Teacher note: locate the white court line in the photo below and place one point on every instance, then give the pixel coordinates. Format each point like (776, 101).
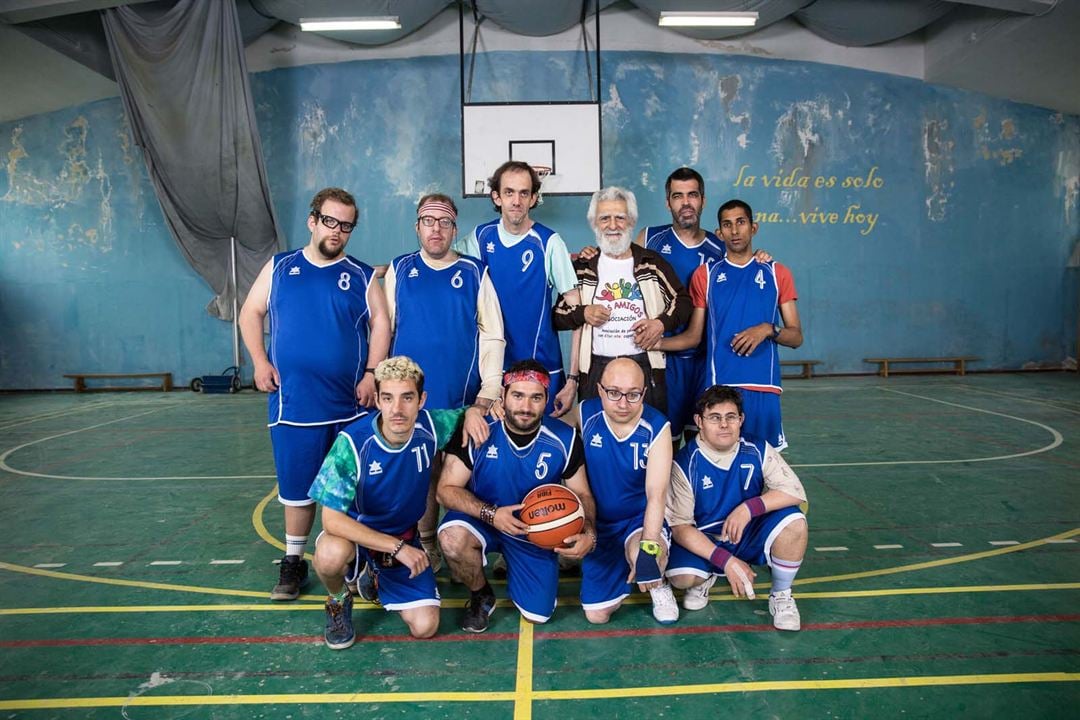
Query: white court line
(1004, 542)
(27, 473)
(113, 563)
(1058, 439)
(1061, 542)
(832, 548)
(948, 544)
(56, 413)
(226, 562)
(1022, 398)
(888, 547)
(50, 565)
(166, 562)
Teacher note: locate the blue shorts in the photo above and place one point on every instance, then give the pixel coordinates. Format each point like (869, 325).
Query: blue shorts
(762, 410)
(755, 548)
(683, 379)
(397, 591)
(604, 570)
(299, 451)
(532, 573)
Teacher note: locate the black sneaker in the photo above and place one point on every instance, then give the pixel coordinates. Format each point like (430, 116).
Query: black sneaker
(339, 628)
(367, 585)
(292, 575)
(477, 611)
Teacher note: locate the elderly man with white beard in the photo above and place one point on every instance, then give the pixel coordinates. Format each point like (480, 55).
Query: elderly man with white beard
(630, 296)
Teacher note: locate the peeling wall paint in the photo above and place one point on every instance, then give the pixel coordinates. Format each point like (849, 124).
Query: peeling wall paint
(896, 204)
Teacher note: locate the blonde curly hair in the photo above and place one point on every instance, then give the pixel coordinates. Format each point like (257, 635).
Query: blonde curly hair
(399, 367)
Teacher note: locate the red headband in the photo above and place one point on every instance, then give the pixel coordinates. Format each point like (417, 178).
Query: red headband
(437, 205)
(527, 376)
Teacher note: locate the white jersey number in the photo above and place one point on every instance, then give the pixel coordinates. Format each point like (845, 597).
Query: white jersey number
(423, 460)
(345, 281)
(542, 466)
(641, 455)
(749, 474)
(760, 279)
(526, 259)
(456, 281)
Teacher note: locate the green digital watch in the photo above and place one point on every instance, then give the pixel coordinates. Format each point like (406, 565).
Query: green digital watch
(651, 547)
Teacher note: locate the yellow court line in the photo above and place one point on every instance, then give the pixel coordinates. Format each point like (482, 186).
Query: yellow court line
(287, 699)
(563, 601)
(260, 526)
(580, 694)
(523, 682)
(842, 684)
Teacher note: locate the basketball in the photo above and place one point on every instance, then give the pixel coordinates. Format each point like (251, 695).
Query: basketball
(553, 513)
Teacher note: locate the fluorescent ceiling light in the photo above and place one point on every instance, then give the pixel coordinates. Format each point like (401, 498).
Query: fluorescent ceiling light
(386, 22)
(708, 19)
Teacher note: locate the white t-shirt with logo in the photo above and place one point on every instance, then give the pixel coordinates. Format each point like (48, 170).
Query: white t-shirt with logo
(618, 291)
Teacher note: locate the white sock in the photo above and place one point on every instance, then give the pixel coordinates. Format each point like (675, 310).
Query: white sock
(783, 573)
(295, 544)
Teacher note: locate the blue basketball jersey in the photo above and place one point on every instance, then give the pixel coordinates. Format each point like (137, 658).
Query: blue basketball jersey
(684, 260)
(504, 473)
(717, 491)
(318, 338)
(519, 274)
(616, 466)
(435, 325)
(737, 298)
(391, 490)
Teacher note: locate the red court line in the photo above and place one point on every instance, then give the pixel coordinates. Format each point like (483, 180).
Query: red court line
(545, 635)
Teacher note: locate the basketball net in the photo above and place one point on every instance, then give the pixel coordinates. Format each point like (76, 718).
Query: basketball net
(543, 171)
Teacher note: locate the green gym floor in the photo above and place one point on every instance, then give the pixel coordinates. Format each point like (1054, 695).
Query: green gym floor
(942, 578)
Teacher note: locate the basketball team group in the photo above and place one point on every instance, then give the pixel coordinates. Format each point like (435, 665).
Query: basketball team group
(431, 418)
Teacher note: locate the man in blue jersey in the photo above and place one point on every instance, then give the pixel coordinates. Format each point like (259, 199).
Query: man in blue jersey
(482, 485)
(628, 458)
(629, 297)
(739, 303)
(372, 487)
(527, 261)
(734, 503)
(328, 329)
(446, 316)
(686, 246)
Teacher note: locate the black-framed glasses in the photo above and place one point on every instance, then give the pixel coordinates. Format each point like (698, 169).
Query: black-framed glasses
(332, 222)
(718, 419)
(429, 221)
(633, 396)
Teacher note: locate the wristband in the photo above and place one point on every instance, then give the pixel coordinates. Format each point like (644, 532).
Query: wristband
(756, 506)
(775, 331)
(592, 536)
(369, 370)
(397, 548)
(487, 513)
(719, 557)
(651, 547)
(574, 377)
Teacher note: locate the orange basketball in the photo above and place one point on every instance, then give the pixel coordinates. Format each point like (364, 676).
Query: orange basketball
(553, 513)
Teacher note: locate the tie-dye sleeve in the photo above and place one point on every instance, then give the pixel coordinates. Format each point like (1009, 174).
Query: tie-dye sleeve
(335, 485)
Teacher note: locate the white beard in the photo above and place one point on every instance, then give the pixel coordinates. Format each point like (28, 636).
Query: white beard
(614, 247)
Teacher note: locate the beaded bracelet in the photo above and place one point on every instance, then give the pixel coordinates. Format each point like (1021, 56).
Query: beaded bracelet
(397, 548)
(487, 513)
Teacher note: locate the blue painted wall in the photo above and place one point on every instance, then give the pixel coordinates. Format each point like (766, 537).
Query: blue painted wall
(917, 219)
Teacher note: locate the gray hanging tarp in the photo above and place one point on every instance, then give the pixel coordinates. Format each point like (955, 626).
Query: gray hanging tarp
(183, 81)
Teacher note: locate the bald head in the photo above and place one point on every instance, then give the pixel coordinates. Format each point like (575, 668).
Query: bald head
(624, 376)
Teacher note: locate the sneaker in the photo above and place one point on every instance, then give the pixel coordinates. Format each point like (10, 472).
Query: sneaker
(697, 597)
(339, 628)
(292, 575)
(367, 585)
(785, 614)
(477, 611)
(664, 607)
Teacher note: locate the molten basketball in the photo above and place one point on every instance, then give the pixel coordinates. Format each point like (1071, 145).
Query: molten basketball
(553, 513)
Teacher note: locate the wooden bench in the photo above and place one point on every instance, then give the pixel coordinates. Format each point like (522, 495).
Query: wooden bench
(807, 367)
(958, 364)
(81, 378)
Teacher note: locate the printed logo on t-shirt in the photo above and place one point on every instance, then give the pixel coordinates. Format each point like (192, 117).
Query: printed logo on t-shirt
(294, 270)
(721, 278)
(597, 441)
(374, 468)
(666, 249)
(493, 452)
(706, 483)
(414, 273)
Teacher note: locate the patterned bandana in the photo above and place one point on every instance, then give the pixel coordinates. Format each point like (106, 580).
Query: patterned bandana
(527, 376)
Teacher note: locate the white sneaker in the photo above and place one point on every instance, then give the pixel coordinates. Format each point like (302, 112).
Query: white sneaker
(784, 611)
(697, 597)
(664, 607)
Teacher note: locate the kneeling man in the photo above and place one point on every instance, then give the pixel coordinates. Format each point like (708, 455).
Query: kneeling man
(733, 503)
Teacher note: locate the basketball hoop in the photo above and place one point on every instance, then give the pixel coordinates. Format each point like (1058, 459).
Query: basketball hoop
(543, 172)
